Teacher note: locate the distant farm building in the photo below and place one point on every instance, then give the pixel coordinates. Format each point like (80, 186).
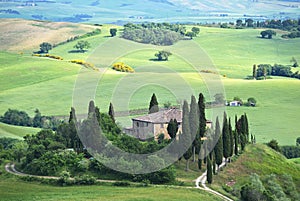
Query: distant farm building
(235, 104)
(152, 125)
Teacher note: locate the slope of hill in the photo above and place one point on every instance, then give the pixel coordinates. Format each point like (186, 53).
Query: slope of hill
(16, 131)
(148, 10)
(22, 35)
(261, 160)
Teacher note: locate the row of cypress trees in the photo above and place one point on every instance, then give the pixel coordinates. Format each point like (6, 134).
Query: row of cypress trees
(212, 145)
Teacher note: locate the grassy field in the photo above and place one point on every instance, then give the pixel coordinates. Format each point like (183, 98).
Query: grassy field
(16, 131)
(295, 160)
(29, 83)
(13, 189)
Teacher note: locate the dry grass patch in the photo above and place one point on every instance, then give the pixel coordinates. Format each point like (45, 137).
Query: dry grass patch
(25, 35)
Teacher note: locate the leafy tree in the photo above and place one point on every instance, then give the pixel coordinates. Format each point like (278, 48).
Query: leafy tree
(289, 187)
(295, 62)
(172, 128)
(163, 55)
(269, 33)
(154, 33)
(111, 112)
(153, 106)
(274, 145)
(196, 30)
(19, 150)
(298, 141)
(45, 47)
(218, 149)
(251, 102)
(37, 119)
(219, 98)
(191, 34)
(249, 22)
(275, 190)
(254, 190)
(239, 22)
(81, 45)
(113, 32)
(186, 134)
(161, 138)
(16, 117)
(209, 170)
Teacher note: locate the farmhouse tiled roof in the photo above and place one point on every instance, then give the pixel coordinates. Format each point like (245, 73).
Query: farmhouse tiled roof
(163, 116)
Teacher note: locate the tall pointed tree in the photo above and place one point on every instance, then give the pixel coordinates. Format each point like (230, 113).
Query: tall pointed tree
(219, 146)
(73, 132)
(236, 138)
(186, 135)
(153, 106)
(111, 112)
(231, 136)
(246, 127)
(194, 125)
(209, 172)
(226, 138)
(254, 73)
(172, 128)
(202, 124)
(98, 115)
(213, 161)
(91, 110)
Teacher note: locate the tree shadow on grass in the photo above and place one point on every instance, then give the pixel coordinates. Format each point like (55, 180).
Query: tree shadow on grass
(77, 51)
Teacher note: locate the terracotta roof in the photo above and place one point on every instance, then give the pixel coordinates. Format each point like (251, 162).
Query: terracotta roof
(163, 116)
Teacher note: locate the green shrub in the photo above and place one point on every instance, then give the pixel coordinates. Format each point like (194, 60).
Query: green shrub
(120, 66)
(64, 179)
(121, 183)
(85, 180)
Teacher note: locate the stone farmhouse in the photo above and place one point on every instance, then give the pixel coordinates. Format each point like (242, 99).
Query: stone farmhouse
(152, 125)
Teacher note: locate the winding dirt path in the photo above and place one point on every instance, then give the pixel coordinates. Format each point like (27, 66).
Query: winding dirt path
(202, 181)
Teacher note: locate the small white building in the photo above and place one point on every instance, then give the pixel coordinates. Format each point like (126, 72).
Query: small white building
(235, 104)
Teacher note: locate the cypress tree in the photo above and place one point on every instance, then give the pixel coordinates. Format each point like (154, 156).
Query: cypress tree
(254, 71)
(214, 162)
(202, 125)
(236, 137)
(226, 138)
(153, 106)
(231, 135)
(111, 112)
(219, 146)
(209, 172)
(194, 125)
(72, 115)
(202, 118)
(186, 135)
(98, 115)
(75, 140)
(246, 128)
(172, 128)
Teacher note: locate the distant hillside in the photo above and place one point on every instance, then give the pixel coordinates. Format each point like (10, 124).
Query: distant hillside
(16, 132)
(20, 35)
(261, 160)
(119, 12)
